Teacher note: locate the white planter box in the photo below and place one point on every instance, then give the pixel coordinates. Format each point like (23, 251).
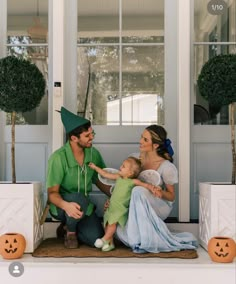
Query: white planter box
(216, 211)
(21, 207)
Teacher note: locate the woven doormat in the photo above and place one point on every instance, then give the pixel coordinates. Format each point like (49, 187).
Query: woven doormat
(55, 248)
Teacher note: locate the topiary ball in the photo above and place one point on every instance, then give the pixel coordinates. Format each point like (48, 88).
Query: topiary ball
(217, 80)
(22, 85)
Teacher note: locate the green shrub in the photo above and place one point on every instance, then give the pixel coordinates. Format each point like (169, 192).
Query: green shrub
(217, 84)
(22, 87)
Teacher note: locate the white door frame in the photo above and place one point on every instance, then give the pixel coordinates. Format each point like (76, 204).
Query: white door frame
(56, 73)
(184, 117)
(179, 126)
(3, 30)
(179, 53)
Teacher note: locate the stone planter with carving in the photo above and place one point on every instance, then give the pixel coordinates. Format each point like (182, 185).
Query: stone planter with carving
(216, 211)
(21, 206)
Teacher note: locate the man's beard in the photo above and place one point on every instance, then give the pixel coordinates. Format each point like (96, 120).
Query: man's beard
(82, 146)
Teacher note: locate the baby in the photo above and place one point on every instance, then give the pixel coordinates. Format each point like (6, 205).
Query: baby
(117, 211)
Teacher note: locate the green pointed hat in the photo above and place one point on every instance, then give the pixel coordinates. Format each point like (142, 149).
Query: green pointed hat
(71, 120)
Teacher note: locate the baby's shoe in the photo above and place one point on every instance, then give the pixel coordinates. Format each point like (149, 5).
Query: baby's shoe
(108, 246)
(99, 243)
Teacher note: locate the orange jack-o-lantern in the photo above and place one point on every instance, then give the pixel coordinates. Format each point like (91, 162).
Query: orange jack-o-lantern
(12, 245)
(222, 249)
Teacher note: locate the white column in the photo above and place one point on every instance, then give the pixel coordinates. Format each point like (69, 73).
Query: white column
(3, 40)
(70, 55)
(3, 28)
(56, 67)
(171, 82)
(184, 29)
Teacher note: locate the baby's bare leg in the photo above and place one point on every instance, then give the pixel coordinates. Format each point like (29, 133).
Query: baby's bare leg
(106, 242)
(109, 232)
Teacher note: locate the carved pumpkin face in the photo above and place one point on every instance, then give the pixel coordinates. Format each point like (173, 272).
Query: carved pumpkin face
(12, 245)
(222, 249)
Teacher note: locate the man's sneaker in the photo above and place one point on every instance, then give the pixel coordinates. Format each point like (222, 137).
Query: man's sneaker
(61, 231)
(71, 241)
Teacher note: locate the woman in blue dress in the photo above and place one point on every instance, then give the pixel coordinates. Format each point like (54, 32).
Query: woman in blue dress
(145, 230)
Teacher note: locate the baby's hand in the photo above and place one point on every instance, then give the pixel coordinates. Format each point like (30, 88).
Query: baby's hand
(92, 165)
(106, 205)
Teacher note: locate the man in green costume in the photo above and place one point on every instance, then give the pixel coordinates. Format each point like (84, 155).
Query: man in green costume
(70, 179)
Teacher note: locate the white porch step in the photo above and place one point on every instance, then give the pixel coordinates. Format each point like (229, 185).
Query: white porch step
(121, 270)
(117, 271)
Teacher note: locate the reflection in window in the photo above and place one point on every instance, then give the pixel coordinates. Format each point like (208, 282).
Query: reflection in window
(27, 36)
(38, 56)
(214, 35)
(137, 109)
(121, 72)
(142, 98)
(97, 81)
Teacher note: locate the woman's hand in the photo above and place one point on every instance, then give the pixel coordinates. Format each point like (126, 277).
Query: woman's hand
(167, 194)
(156, 191)
(73, 210)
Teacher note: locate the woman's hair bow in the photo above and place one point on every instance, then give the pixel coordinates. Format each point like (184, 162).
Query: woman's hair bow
(167, 144)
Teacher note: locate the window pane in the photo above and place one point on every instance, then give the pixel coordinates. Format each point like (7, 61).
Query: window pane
(204, 113)
(214, 28)
(27, 25)
(126, 89)
(143, 85)
(98, 83)
(28, 17)
(98, 21)
(143, 22)
(210, 29)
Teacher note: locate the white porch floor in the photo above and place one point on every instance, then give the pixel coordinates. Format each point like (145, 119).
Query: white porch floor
(116, 270)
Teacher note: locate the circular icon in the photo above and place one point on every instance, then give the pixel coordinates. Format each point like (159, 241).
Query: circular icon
(216, 7)
(16, 269)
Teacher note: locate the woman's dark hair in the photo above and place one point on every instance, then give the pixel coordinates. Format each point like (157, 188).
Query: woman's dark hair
(77, 131)
(159, 136)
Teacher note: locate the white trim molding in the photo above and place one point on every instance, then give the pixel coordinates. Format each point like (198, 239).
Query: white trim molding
(56, 55)
(3, 35)
(3, 28)
(184, 118)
